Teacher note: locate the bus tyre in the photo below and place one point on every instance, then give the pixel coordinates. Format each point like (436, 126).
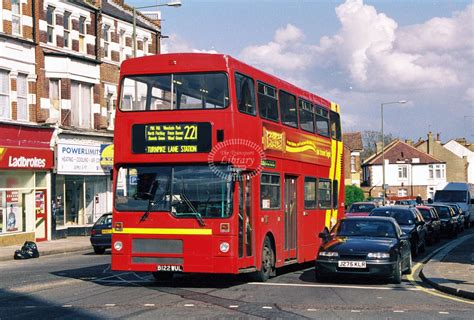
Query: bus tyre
(268, 262)
(163, 276)
(99, 250)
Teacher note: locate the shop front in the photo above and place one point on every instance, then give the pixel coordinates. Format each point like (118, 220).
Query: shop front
(83, 187)
(26, 161)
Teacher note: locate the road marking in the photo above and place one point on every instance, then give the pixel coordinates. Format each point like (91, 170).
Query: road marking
(189, 305)
(110, 304)
(44, 286)
(333, 286)
(66, 305)
(30, 307)
(398, 311)
(431, 291)
(149, 305)
(266, 307)
(443, 312)
(233, 306)
(312, 309)
(355, 311)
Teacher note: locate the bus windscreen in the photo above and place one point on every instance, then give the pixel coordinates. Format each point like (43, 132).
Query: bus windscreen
(188, 91)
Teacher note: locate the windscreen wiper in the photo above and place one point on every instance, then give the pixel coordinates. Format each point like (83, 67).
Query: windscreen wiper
(195, 212)
(151, 202)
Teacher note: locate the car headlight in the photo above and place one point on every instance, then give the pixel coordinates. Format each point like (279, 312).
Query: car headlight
(118, 245)
(378, 255)
(328, 254)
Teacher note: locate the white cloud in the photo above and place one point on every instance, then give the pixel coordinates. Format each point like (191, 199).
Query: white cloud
(175, 43)
(282, 54)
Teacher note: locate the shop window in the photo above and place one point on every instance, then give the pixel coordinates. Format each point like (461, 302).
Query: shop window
(59, 204)
(270, 191)
(40, 179)
(309, 193)
(16, 179)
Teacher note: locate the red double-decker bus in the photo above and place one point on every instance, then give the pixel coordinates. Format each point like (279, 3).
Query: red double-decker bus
(220, 168)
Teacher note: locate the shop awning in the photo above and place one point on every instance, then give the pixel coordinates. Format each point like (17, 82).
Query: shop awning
(25, 147)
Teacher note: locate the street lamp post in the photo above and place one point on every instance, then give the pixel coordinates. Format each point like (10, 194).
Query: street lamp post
(383, 145)
(174, 3)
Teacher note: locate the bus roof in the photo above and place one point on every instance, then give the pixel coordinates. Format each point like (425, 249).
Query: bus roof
(199, 62)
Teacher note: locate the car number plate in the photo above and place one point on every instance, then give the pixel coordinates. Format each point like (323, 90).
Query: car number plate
(106, 231)
(169, 268)
(352, 264)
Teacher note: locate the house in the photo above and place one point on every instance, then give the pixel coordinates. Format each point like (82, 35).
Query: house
(461, 149)
(59, 72)
(352, 161)
(408, 172)
(456, 166)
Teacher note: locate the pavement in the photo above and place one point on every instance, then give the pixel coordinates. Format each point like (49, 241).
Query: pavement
(69, 244)
(451, 269)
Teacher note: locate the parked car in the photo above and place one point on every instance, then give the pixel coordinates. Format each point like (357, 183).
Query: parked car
(364, 246)
(433, 223)
(360, 209)
(448, 220)
(459, 215)
(410, 220)
(409, 202)
(101, 234)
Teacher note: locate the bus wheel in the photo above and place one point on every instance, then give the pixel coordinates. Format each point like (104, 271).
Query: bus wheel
(163, 276)
(268, 262)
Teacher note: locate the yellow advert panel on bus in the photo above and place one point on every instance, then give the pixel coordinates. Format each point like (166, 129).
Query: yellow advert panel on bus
(188, 137)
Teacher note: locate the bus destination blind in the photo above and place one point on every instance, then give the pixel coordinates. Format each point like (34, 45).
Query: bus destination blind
(171, 138)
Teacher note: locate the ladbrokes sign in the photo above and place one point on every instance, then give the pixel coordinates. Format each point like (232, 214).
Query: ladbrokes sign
(25, 158)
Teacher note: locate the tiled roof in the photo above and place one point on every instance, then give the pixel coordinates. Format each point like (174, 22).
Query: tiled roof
(353, 141)
(125, 14)
(398, 151)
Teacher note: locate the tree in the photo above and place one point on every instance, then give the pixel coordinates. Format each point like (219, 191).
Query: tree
(369, 141)
(353, 194)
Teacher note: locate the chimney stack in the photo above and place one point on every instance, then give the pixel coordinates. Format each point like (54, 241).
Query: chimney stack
(430, 146)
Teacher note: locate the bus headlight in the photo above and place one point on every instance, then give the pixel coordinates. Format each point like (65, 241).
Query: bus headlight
(118, 245)
(224, 247)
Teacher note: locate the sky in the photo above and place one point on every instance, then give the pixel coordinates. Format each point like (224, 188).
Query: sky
(358, 53)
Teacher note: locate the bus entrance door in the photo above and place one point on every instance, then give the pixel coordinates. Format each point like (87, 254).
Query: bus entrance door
(246, 227)
(290, 218)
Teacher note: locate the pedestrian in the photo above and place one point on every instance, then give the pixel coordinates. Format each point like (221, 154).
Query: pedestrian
(419, 200)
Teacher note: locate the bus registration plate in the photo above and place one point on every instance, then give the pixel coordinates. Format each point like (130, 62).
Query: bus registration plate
(351, 264)
(169, 268)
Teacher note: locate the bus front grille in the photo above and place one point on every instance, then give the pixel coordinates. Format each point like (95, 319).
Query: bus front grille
(157, 246)
(157, 260)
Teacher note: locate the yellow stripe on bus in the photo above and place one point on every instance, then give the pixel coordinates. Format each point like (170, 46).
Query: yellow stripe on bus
(176, 231)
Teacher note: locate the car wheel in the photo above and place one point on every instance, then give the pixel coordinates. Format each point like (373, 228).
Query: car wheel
(163, 276)
(397, 273)
(99, 250)
(268, 262)
(409, 268)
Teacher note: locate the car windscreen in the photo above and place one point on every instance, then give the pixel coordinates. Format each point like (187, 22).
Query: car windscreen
(361, 207)
(450, 196)
(182, 190)
(174, 92)
(443, 212)
(364, 227)
(403, 217)
(425, 213)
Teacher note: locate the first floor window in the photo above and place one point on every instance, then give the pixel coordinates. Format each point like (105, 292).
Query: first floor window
(81, 105)
(22, 97)
(402, 172)
(402, 192)
(4, 94)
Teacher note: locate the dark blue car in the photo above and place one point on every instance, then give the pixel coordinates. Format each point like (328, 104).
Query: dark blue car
(101, 234)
